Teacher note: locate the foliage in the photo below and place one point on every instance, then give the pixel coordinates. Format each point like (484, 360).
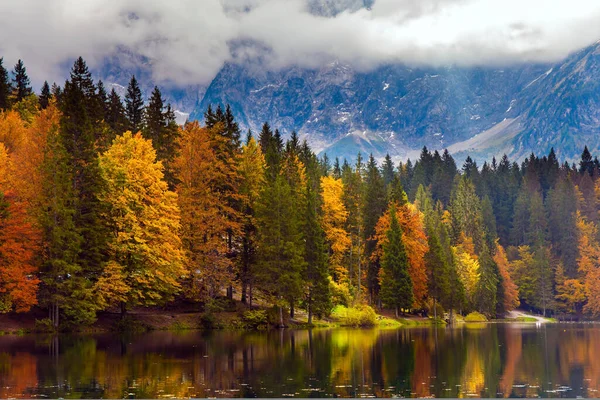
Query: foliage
(475, 317)
(354, 316)
(255, 319)
(146, 259)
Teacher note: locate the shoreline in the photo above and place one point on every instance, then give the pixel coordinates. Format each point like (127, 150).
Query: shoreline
(147, 321)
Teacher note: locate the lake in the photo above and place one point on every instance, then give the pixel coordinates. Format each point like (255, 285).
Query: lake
(488, 360)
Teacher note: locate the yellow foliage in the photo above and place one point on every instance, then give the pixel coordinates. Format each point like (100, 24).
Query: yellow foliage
(143, 214)
(467, 267)
(333, 221)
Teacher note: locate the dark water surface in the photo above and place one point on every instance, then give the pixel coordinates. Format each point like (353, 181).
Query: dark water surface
(489, 360)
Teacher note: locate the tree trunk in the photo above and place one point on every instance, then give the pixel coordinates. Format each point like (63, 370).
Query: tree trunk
(396, 311)
(309, 309)
(280, 316)
(250, 295)
(434, 309)
(123, 309)
(291, 309)
(230, 292)
(243, 298)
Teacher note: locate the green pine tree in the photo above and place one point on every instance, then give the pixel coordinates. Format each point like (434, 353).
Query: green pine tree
(21, 83)
(134, 106)
(115, 114)
(316, 278)
(45, 96)
(5, 87)
(396, 284)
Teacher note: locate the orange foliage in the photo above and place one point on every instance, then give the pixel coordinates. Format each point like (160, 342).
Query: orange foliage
(415, 241)
(205, 212)
(19, 241)
(589, 263)
(511, 292)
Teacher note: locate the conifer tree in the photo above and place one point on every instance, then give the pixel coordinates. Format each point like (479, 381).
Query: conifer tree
(396, 284)
(66, 290)
(159, 126)
(134, 106)
(353, 198)
(115, 114)
(21, 83)
(281, 259)
(80, 128)
(5, 87)
(315, 274)
(45, 96)
(374, 206)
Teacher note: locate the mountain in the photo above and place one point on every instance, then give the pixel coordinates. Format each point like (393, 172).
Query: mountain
(397, 109)
(393, 109)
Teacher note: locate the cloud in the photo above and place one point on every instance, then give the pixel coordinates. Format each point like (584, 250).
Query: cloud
(187, 41)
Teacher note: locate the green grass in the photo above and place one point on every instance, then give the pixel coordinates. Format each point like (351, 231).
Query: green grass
(525, 319)
(385, 322)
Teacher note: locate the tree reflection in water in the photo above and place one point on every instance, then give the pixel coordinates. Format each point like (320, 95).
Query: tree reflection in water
(489, 360)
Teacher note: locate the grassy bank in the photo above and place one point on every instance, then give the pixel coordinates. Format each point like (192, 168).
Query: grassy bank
(234, 316)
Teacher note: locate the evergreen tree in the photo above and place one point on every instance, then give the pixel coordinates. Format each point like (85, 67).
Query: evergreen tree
(115, 114)
(134, 106)
(374, 206)
(396, 284)
(159, 126)
(315, 274)
(102, 100)
(561, 209)
(387, 170)
(45, 96)
(21, 83)
(5, 87)
(489, 284)
(281, 258)
(79, 131)
(586, 164)
(66, 290)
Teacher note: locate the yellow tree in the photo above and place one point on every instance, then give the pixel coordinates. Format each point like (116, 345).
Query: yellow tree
(205, 210)
(334, 221)
(415, 241)
(570, 293)
(589, 263)
(146, 259)
(467, 266)
(252, 174)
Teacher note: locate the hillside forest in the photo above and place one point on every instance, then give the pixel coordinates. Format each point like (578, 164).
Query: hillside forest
(107, 205)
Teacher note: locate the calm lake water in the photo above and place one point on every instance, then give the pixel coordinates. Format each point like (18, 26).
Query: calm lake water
(489, 360)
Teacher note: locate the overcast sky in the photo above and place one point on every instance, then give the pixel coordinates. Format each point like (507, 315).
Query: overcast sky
(188, 41)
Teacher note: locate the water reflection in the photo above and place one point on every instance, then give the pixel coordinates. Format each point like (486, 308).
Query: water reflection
(493, 360)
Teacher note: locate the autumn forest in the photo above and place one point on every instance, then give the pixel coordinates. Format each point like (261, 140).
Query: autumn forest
(109, 205)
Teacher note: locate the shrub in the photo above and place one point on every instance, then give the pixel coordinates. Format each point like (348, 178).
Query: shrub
(475, 317)
(340, 294)
(255, 319)
(355, 316)
(209, 321)
(44, 325)
(130, 324)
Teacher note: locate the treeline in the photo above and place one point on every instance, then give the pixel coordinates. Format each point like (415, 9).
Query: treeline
(106, 205)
